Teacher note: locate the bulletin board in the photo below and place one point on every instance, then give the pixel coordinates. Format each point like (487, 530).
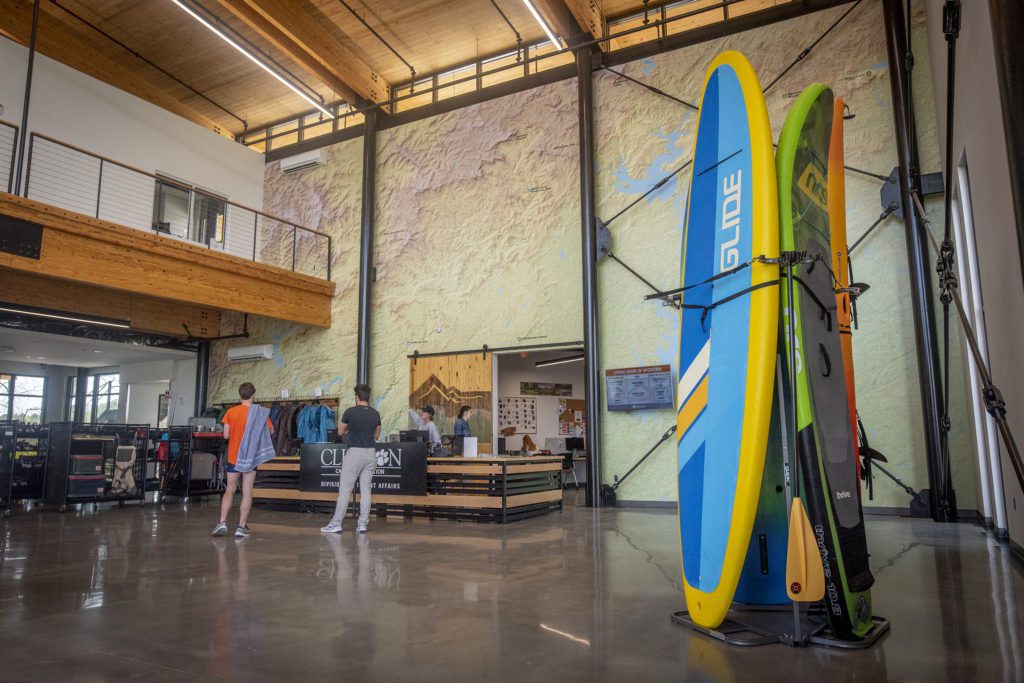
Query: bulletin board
(518, 412)
(571, 417)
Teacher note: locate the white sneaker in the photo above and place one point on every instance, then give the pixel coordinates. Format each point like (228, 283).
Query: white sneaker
(332, 528)
(361, 528)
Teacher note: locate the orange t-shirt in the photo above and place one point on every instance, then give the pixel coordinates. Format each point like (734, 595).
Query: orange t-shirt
(236, 418)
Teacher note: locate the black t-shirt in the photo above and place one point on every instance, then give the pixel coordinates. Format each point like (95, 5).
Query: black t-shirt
(362, 424)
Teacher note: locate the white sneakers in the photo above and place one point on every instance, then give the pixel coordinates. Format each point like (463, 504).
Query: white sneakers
(335, 528)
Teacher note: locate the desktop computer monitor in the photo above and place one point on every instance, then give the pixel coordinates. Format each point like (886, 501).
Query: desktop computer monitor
(555, 444)
(414, 435)
(574, 444)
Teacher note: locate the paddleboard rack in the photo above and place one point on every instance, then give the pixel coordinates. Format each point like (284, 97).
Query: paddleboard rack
(753, 626)
(795, 625)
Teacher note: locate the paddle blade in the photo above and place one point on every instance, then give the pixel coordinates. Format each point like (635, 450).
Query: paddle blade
(805, 575)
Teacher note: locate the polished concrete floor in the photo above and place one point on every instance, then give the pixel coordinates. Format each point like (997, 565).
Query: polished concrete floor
(125, 594)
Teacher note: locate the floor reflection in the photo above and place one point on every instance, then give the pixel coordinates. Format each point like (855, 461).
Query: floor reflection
(580, 595)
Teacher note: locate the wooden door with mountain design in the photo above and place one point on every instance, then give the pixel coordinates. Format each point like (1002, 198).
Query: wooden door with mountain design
(449, 382)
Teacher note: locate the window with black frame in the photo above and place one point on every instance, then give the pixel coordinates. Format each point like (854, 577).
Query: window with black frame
(182, 211)
(102, 398)
(70, 398)
(22, 398)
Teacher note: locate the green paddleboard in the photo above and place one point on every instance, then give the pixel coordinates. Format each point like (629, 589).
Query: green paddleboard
(825, 443)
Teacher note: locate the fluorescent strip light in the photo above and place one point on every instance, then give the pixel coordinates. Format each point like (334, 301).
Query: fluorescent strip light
(258, 62)
(540, 20)
(59, 315)
(559, 361)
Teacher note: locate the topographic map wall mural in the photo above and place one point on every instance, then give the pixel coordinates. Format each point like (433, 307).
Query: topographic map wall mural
(642, 137)
(478, 234)
(478, 240)
(327, 199)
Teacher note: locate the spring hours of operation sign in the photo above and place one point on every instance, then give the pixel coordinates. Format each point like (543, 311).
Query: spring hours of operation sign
(644, 388)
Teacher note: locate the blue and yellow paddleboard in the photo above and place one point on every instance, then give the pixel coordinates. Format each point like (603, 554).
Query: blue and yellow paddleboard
(728, 335)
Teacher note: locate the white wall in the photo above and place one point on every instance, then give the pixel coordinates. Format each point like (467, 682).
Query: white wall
(181, 374)
(144, 401)
(56, 384)
(80, 110)
(513, 369)
(978, 135)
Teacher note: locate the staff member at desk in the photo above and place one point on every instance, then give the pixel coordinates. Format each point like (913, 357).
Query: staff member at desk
(424, 419)
(462, 422)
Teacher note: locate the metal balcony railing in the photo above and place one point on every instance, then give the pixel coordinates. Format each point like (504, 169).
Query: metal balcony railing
(8, 145)
(61, 174)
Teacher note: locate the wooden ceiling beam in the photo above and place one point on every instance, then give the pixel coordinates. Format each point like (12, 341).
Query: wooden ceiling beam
(64, 42)
(294, 28)
(573, 17)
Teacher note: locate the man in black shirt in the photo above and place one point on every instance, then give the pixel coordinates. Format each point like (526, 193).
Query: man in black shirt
(362, 425)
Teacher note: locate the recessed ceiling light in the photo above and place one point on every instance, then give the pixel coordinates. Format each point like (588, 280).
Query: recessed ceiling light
(40, 357)
(96, 351)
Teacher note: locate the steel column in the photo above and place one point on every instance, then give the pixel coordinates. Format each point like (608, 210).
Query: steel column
(591, 361)
(370, 125)
(202, 376)
(922, 298)
(81, 388)
(28, 96)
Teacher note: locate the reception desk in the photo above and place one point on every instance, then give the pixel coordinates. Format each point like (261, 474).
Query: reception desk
(485, 489)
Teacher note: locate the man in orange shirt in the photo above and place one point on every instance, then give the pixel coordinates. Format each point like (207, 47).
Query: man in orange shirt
(235, 420)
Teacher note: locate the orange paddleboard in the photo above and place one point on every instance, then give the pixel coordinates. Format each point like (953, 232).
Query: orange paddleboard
(837, 221)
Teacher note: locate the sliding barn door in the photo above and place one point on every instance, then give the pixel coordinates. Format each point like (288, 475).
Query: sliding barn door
(449, 382)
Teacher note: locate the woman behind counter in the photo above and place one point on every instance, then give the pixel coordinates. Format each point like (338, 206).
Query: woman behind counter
(462, 422)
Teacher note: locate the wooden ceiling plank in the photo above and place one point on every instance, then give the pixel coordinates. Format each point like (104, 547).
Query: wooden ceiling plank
(63, 42)
(572, 17)
(293, 28)
(145, 314)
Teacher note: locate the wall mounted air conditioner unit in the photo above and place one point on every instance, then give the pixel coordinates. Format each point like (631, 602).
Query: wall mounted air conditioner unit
(299, 162)
(245, 354)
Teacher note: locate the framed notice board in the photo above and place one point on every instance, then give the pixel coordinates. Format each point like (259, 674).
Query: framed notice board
(643, 388)
(518, 412)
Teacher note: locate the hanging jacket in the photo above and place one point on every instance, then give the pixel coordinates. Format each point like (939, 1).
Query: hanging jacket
(314, 423)
(305, 427)
(284, 430)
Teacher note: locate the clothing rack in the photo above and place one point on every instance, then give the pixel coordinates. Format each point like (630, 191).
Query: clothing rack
(330, 400)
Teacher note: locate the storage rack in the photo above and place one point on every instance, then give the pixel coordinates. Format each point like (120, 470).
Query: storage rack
(180, 478)
(22, 462)
(7, 445)
(81, 467)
